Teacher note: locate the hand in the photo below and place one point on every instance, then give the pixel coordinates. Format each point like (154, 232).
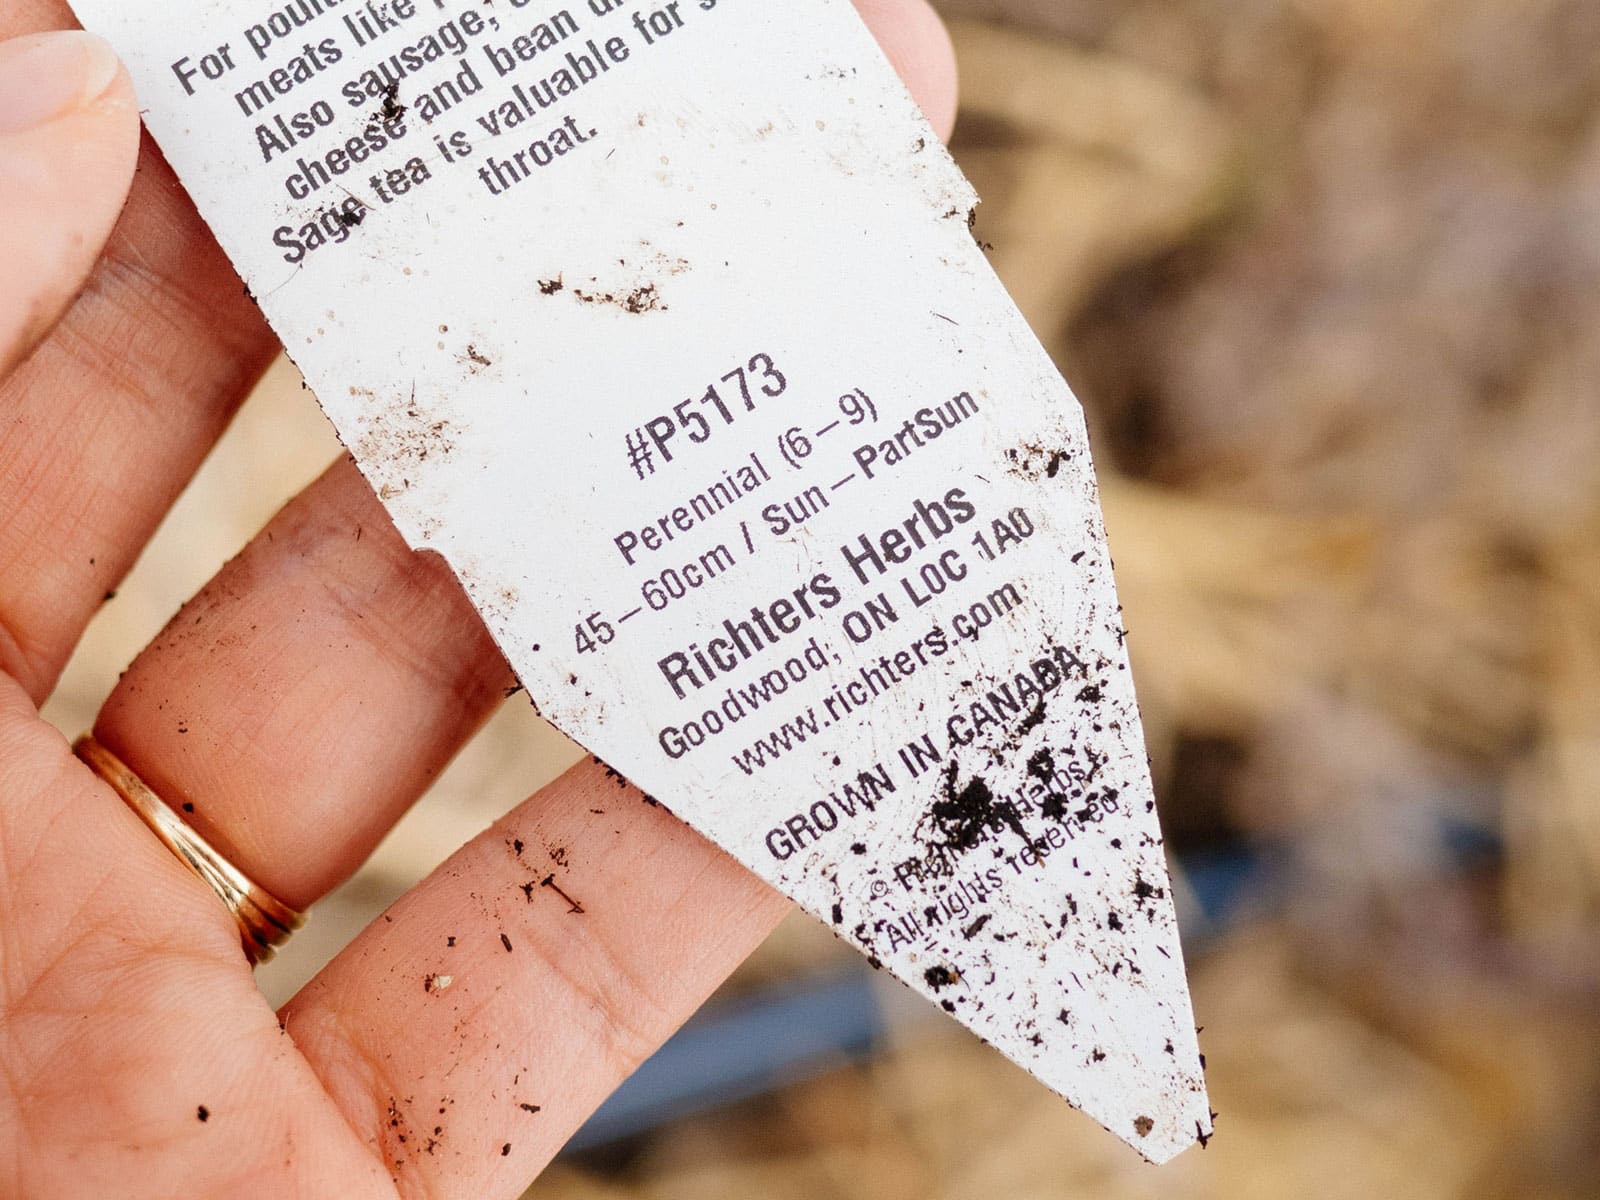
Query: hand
(293, 710)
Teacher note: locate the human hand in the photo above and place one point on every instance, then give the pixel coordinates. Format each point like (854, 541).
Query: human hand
(291, 712)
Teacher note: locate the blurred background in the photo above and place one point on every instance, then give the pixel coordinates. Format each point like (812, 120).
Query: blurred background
(1327, 279)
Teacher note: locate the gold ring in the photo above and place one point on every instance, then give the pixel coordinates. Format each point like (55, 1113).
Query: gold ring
(264, 921)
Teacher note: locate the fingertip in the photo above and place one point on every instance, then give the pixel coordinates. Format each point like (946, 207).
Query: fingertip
(917, 42)
(69, 138)
(940, 89)
(45, 77)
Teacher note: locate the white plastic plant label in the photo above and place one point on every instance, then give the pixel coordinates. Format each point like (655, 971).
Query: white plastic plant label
(664, 325)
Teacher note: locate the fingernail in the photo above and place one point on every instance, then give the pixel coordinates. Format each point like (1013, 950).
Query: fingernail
(48, 75)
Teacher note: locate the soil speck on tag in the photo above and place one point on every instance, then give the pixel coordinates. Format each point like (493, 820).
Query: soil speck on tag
(1038, 462)
(392, 109)
(966, 815)
(643, 299)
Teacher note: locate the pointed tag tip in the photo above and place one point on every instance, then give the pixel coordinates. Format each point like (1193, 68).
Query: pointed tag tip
(1158, 1143)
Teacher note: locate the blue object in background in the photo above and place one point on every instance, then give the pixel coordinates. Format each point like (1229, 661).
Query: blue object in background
(744, 1048)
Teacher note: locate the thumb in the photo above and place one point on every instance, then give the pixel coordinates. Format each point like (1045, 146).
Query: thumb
(68, 142)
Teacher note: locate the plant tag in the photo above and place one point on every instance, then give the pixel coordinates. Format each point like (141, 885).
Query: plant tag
(666, 328)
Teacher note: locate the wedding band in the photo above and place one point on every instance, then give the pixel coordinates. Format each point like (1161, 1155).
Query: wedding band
(264, 921)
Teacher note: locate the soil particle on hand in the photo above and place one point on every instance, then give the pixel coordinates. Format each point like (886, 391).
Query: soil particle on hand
(202, 1114)
(506, 942)
(612, 773)
(549, 881)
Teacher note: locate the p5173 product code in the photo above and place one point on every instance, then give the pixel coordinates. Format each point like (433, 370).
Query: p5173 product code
(656, 442)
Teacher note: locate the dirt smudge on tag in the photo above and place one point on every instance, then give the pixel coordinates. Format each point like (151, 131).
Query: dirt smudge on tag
(399, 434)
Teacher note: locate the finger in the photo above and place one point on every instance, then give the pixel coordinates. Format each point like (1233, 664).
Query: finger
(470, 1031)
(68, 138)
(139, 1058)
(299, 704)
(307, 696)
(918, 44)
(126, 1015)
(113, 411)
